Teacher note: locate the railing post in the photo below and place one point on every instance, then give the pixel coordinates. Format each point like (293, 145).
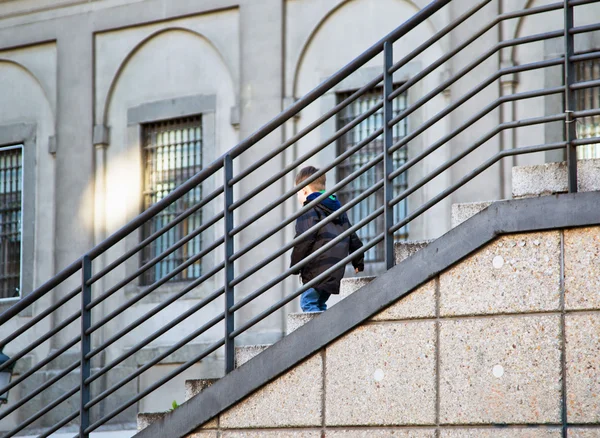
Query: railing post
(570, 102)
(86, 322)
(388, 162)
(229, 298)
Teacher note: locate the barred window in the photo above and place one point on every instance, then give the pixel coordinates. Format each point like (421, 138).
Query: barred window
(588, 98)
(375, 174)
(172, 154)
(11, 178)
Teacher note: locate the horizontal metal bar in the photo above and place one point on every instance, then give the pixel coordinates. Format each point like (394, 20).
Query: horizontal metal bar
(307, 260)
(154, 361)
(438, 36)
(585, 56)
(32, 297)
(294, 165)
(156, 385)
(14, 406)
(156, 234)
(153, 287)
(43, 412)
(62, 423)
(586, 84)
(148, 339)
(38, 366)
(473, 174)
(586, 113)
(340, 106)
(57, 426)
(586, 141)
(38, 341)
(507, 70)
(440, 61)
(584, 29)
(151, 263)
(465, 125)
(306, 286)
(317, 226)
(292, 192)
(501, 127)
(22, 329)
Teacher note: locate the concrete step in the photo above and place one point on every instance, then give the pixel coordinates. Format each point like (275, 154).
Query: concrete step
(550, 178)
(145, 419)
(297, 320)
(463, 211)
(351, 285)
(404, 250)
(246, 352)
(194, 387)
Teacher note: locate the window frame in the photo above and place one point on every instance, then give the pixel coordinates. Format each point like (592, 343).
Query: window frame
(154, 112)
(24, 135)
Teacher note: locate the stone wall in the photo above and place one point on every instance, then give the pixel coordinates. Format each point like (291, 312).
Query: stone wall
(486, 344)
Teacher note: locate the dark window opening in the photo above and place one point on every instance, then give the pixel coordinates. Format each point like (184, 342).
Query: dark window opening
(11, 181)
(375, 174)
(172, 154)
(588, 98)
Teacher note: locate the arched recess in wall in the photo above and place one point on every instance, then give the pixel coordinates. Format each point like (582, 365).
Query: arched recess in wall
(141, 45)
(170, 64)
(327, 18)
(38, 85)
(343, 34)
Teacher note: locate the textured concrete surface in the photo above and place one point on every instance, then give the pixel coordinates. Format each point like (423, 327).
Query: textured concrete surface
(583, 368)
(196, 386)
(382, 374)
(419, 304)
(246, 352)
(582, 268)
(204, 434)
(351, 285)
(500, 370)
(577, 432)
(297, 320)
(515, 273)
(549, 178)
(272, 434)
(463, 211)
(145, 419)
(292, 400)
(380, 433)
(544, 432)
(404, 250)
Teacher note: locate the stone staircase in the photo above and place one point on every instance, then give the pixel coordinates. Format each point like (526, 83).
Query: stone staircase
(528, 181)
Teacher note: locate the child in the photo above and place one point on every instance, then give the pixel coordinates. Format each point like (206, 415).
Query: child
(315, 298)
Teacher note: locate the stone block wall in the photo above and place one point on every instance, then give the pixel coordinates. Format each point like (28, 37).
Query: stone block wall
(480, 351)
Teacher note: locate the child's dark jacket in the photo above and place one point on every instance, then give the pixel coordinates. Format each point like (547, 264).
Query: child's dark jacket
(319, 238)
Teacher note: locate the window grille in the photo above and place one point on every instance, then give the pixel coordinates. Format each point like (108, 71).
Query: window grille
(375, 174)
(11, 179)
(172, 153)
(588, 98)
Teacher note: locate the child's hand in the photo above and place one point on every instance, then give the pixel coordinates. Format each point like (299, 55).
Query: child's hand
(356, 270)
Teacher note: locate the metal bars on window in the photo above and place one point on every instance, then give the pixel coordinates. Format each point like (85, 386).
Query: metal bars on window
(588, 98)
(172, 155)
(375, 174)
(11, 182)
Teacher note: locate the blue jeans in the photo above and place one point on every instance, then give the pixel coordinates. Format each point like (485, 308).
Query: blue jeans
(313, 301)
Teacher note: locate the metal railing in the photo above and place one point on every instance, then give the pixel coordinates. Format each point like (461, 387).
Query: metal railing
(224, 250)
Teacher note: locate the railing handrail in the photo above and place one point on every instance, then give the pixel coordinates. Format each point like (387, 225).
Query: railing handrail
(224, 163)
(236, 151)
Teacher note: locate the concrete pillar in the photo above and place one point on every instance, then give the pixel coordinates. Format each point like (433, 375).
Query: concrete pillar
(74, 155)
